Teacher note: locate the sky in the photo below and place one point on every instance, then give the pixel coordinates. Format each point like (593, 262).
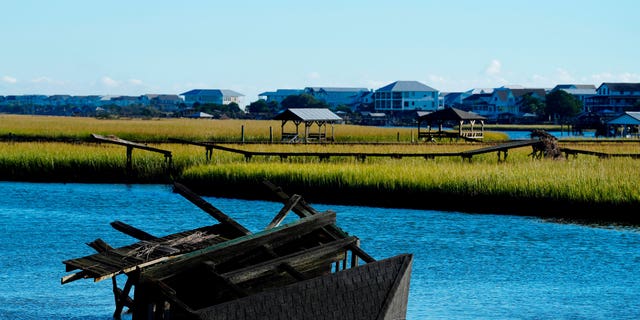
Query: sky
(169, 47)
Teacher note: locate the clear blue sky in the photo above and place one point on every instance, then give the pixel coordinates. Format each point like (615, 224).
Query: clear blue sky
(139, 47)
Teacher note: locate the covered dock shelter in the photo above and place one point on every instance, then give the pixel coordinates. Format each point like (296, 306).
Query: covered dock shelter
(308, 116)
(626, 125)
(466, 122)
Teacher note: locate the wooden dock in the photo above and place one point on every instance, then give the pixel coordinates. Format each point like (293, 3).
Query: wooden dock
(130, 145)
(602, 155)
(502, 148)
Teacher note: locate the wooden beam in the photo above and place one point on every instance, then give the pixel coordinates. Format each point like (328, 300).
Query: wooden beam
(132, 231)
(293, 260)
(292, 202)
(235, 247)
(126, 143)
(234, 287)
(208, 208)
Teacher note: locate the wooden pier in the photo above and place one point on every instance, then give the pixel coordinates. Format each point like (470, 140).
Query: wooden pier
(502, 148)
(130, 146)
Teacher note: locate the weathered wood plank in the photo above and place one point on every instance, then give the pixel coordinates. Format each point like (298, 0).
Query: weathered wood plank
(208, 208)
(238, 246)
(132, 231)
(292, 202)
(294, 260)
(126, 143)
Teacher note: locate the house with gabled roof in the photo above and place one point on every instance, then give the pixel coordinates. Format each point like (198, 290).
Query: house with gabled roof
(579, 91)
(279, 95)
(336, 96)
(508, 99)
(211, 96)
(406, 96)
(615, 97)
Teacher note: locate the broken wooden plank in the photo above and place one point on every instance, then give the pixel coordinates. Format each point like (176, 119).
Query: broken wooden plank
(292, 202)
(132, 231)
(238, 246)
(208, 208)
(293, 260)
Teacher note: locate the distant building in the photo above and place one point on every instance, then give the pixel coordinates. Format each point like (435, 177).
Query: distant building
(213, 96)
(406, 96)
(508, 99)
(337, 96)
(279, 95)
(580, 91)
(614, 97)
(479, 103)
(165, 102)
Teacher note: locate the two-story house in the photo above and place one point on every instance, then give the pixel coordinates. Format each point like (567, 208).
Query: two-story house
(279, 95)
(509, 99)
(336, 96)
(614, 97)
(406, 96)
(212, 96)
(579, 91)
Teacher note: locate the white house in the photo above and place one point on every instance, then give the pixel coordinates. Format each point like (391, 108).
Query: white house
(406, 96)
(213, 96)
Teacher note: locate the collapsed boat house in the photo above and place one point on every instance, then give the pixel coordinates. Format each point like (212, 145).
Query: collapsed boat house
(306, 269)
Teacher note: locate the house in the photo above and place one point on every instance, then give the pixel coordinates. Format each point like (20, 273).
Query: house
(509, 99)
(479, 103)
(336, 96)
(406, 96)
(580, 91)
(279, 95)
(211, 96)
(614, 97)
(58, 100)
(164, 102)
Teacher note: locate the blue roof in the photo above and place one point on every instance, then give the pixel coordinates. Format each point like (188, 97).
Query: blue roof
(403, 86)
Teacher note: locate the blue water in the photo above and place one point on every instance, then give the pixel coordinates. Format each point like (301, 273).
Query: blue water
(466, 266)
(524, 135)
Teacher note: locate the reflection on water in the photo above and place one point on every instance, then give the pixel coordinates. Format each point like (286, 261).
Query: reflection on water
(465, 266)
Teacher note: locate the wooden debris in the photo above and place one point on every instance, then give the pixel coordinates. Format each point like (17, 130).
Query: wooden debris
(197, 274)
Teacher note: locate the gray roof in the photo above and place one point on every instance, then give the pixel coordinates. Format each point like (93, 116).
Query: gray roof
(308, 114)
(406, 86)
(622, 86)
(212, 92)
(575, 86)
(335, 89)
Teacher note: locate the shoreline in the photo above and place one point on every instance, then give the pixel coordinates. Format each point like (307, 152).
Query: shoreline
(602, 214)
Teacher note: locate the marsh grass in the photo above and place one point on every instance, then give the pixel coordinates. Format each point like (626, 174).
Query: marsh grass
(160, 130)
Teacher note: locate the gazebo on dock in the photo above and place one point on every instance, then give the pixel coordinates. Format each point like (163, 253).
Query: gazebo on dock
(309, 116)
(466, 124)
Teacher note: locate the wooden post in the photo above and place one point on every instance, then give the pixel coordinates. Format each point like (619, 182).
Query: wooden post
(398, 136)
(129, 162)
(242, 134)
(270, 134)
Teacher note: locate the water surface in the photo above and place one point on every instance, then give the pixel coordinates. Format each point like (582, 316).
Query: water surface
(466, 266)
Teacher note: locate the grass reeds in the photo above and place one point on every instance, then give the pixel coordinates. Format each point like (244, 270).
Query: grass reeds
(160, 130)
